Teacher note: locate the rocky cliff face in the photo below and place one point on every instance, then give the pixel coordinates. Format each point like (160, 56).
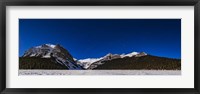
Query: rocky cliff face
(56, 52)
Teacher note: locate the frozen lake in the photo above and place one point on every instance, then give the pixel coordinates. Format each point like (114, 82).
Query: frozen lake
(99, 72)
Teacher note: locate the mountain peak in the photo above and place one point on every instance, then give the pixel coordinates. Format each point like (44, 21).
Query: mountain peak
(46, 45)
(86, 63)
(57, 52)
(141, 54)
(51, 45)
(44, 51)
(129, 54)
(108, 55)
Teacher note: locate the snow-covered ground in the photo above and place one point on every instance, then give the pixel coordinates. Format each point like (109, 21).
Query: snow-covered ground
(99, 72)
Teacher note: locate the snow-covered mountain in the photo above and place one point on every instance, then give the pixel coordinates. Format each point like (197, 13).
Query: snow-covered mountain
(91, 63)
(61, 55)
(48, 56)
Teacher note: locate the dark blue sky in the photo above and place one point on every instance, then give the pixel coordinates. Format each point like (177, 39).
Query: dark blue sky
(93, 38)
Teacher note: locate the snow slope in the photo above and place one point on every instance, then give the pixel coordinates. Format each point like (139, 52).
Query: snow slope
(99, 72)
(89, 62)
(61, 55)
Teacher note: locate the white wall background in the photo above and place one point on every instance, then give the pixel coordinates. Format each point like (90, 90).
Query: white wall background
(185, 80)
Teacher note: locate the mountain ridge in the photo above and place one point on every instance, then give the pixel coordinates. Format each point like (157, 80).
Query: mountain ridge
(88, 61)
(59, 55)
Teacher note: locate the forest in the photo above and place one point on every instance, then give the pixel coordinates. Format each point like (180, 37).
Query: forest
(147, 62)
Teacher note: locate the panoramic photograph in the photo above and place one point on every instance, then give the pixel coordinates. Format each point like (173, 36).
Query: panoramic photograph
(99, 47)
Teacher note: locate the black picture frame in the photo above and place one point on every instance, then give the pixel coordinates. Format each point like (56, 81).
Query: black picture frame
(4, 3)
